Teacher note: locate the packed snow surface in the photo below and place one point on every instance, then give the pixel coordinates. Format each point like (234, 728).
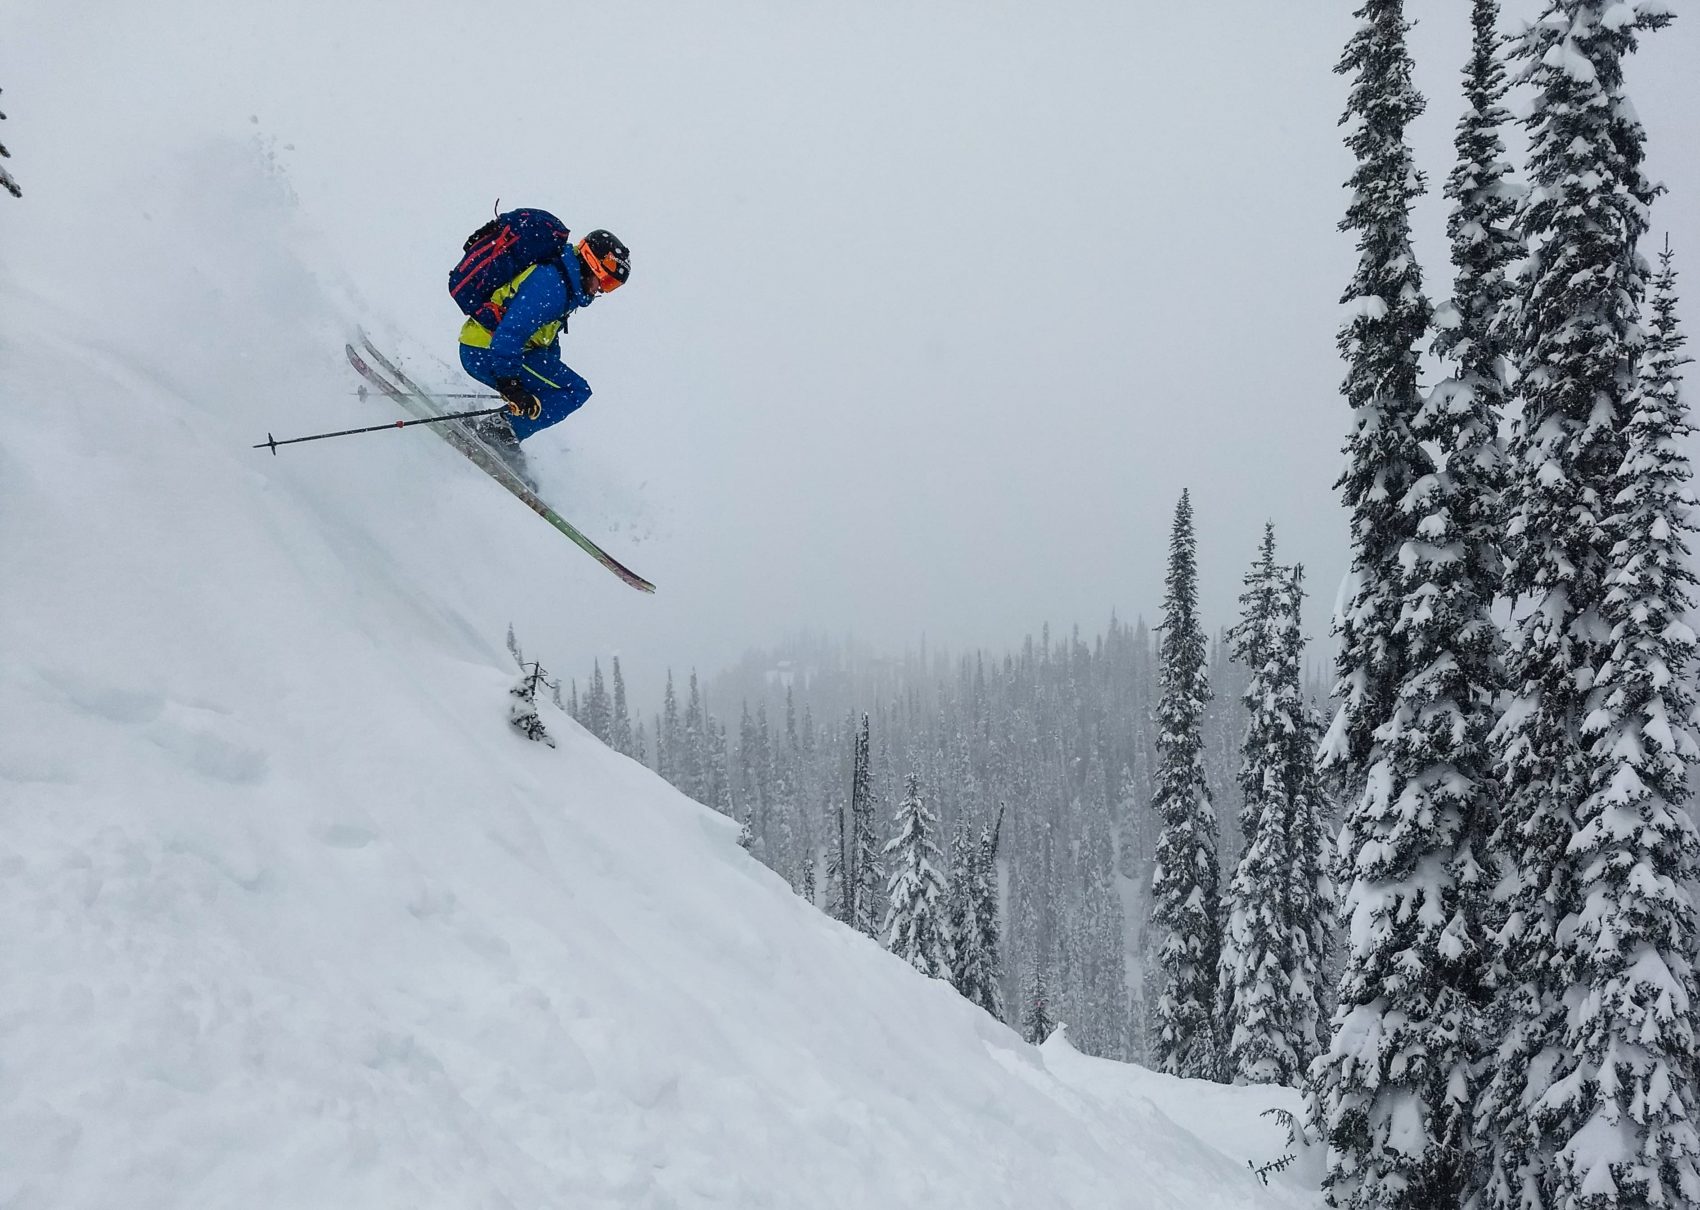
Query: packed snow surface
(289, 917)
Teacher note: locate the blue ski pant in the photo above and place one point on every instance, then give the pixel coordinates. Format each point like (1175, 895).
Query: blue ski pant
(559, 389)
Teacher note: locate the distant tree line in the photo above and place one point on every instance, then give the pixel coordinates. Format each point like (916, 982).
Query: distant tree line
(989, 818)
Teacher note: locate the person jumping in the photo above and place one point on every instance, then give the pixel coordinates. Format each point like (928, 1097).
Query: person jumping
(520, 278)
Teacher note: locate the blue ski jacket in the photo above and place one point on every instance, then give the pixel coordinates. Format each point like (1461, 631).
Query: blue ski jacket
(534, 308)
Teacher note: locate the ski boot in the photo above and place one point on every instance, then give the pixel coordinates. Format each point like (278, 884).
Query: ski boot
(497, 435)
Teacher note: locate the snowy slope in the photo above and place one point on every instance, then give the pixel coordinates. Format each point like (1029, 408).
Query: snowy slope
(290, 918)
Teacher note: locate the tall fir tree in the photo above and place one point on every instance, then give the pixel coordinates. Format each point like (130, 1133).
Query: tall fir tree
(986, 890)
(1186, 894)
(1591, 1098)
(692, 767)
(7, 181)
(1038, 1022)
(961, 929)
(668, 735)
(1310, 888)
(620, 730)
(1387, 316)
(840, 880)
(866, 872)
(1633, 1038)
(1394, 1094)
(915, 919)
(718, 784)
(1102, 968)
(1259, 994)
(976, 963)
(598, 708)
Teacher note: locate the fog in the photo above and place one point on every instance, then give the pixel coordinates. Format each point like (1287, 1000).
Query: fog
(935, 309)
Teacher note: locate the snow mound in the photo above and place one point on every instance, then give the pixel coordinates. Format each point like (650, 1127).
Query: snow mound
(292, 918)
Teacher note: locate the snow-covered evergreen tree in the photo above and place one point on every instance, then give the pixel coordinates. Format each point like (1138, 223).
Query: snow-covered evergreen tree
(620, 730)
(1259, 994)
(866, 873)
(1186, 883)
(1393, 1095)
(972, 921)
(1310, 888)
(1632, 1036)
(1101, 970)
(1462, 414)
(598, 716)
(522, 705)
(1386, 316)
(691, 768)
(1591, 1097)
(1037, 1023)
(669, 739)
(914, 926)
(719, 785)
(7, 181)
(962, 931)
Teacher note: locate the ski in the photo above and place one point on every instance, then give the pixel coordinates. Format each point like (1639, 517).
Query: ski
(416, 402)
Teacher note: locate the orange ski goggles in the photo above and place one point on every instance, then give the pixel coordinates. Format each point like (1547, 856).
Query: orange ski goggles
(603, 269)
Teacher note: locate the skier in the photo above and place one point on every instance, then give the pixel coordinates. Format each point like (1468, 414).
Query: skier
(512, 342)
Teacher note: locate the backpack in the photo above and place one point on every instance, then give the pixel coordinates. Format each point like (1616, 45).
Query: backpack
(500, 251)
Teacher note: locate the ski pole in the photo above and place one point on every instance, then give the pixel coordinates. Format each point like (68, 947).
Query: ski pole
(271, 443)
(362, 392)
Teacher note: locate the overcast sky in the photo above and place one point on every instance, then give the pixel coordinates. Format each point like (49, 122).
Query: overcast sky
(935, 307)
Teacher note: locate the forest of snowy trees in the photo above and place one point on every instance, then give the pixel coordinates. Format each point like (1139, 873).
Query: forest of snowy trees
(1035, 774)
(1461, 914)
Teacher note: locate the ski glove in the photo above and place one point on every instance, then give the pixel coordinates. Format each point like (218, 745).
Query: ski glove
(521, 402)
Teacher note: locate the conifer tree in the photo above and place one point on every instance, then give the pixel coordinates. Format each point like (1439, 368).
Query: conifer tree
(1102, 971)
(1394, 1093)
(840, 882)
(1258, 997)
(749, 783)
(719, 784)
(668, 736)
(1594, 1009)
(972, 923)
(620, 731)
(7, 181)
(691, 771)
(962, 931)
(1633, 1041)
(598, 710)
(1462, 414)
(1037, 1023)
(522, 706)
(1387, 315)
(1310, 889)
(1186, 883)
(914, 926)
(867, 875)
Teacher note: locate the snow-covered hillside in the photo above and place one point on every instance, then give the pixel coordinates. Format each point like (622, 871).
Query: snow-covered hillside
(289, 917)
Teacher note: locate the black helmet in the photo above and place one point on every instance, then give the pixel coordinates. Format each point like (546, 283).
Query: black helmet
(607, 259)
